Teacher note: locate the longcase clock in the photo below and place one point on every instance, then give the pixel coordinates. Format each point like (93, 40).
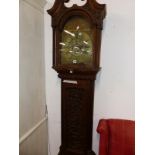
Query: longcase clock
(76, 55)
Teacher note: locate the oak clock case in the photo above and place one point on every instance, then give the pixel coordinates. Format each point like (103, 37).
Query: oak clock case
(76, 55)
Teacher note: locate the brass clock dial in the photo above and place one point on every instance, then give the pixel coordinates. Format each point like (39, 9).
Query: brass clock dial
(77, 44)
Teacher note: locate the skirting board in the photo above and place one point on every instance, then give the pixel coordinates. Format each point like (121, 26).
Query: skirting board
(32, 130)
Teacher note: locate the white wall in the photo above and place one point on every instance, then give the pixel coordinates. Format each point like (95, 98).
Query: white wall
(114, 87)
(32, 78)
(53, 88)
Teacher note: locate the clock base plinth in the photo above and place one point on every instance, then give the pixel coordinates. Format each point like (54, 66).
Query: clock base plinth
(91, 153)
(76, 152)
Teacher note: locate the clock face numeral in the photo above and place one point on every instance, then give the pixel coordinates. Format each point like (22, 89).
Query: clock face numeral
(76, 46)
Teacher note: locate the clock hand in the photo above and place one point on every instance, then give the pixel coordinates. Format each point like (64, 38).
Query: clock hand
(70, 33)
(62, 44)
(85, 42)
(77, 28)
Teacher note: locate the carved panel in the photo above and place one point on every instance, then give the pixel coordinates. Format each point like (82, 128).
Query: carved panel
(74, 104)
(77, 102)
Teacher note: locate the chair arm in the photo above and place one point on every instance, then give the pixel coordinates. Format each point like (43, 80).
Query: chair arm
(102, 126)
(102, 129)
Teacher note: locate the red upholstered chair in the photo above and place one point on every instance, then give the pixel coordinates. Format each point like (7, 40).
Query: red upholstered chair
(117, 137)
